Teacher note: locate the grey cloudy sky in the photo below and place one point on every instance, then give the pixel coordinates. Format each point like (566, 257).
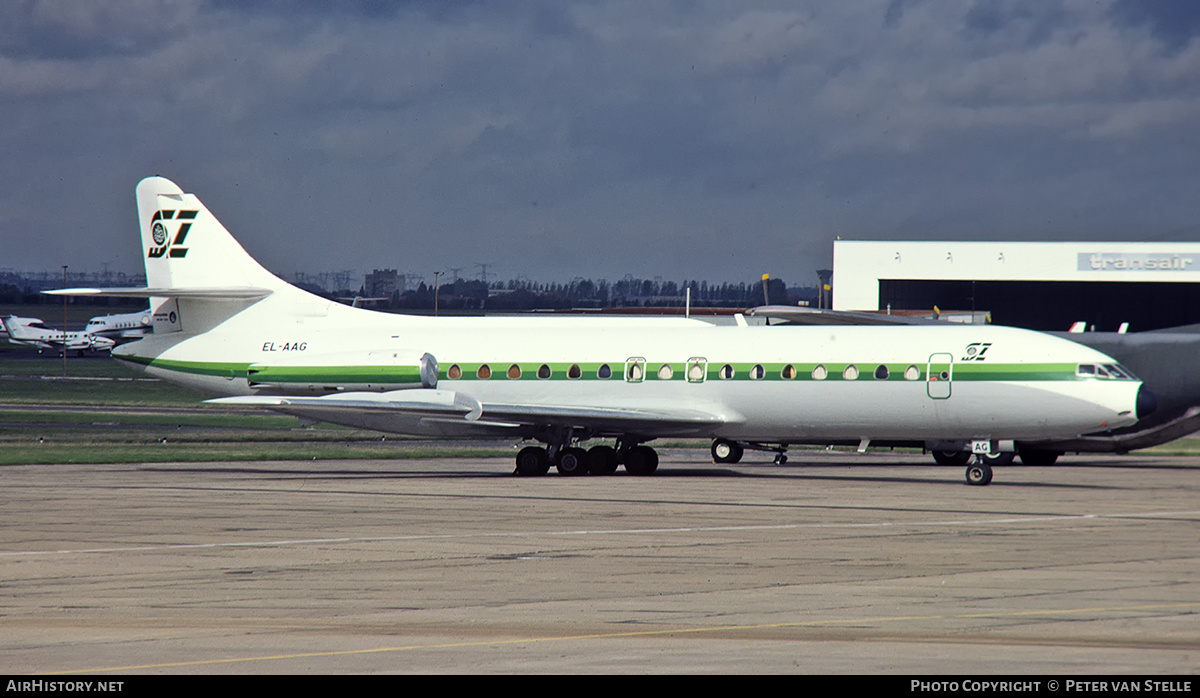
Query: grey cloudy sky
(713, 140)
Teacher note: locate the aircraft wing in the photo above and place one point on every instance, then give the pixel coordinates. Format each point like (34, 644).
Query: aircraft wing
(450, 407)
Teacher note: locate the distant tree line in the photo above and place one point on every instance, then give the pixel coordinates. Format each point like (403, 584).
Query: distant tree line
(467, 294)
(520, 294)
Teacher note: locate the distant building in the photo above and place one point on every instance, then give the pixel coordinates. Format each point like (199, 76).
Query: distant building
(383, 283)
(1039, 285)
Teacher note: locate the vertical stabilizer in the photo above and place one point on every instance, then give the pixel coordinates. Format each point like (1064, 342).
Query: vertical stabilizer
(186, 247)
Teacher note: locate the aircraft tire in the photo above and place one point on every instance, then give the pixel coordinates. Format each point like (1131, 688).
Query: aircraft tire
(979, 474)
(952, 457)
(1003, 458)
(1038, 456)
(641, 461)
(533, 461)
(726, 451)
(602, 460)
(572, 461)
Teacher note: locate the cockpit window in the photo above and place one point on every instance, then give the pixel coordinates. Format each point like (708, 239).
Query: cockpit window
(1128, 374)
(1107, 371)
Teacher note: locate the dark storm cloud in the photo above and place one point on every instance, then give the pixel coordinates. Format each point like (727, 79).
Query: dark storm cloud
(1176, 23)
(554, 140)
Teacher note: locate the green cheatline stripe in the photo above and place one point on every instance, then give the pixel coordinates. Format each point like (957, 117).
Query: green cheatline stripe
(203, 368)
(1015, 372)
(964, 371)
(335, 374)
(289, 374)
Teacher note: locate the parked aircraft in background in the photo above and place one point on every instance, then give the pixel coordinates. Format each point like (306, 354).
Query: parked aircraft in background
(121, 328)
(360, 301)
(13, 319)
(33, 332)
(239, 331)
(1166, 361)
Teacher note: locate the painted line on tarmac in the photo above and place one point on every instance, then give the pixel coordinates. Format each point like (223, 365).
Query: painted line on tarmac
(1130, 516)
(631, 634)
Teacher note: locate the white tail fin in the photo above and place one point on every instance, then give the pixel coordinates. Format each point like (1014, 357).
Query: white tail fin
(197, 275)
(186, 247)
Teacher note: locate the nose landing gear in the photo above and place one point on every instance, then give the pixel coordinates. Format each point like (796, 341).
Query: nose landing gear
(979, 473)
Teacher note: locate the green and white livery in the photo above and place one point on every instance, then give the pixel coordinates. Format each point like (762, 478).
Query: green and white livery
(228, 327)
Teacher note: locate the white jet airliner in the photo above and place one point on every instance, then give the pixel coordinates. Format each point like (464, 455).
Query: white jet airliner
(226, 326)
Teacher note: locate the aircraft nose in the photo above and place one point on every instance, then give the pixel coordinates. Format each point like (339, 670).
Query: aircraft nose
(1146, 402)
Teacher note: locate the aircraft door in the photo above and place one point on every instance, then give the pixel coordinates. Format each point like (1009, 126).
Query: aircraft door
(939, 375)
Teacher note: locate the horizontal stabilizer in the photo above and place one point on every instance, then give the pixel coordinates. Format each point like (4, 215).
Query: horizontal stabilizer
(240, 293)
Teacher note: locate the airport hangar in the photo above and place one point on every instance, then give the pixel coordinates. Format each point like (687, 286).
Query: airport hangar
(1036, 285)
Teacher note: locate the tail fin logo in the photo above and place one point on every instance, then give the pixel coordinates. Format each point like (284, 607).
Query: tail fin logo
(164, 242)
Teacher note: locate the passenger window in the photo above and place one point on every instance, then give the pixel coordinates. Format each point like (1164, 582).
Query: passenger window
(574, 372)
(912, 373)
(543, 372)
(757, 372)
(820, 373)
(454, 372)
(514, 371)
(634, 370)
(788, 372)
(484, 372)
(881, 372)
(726, 372)
(665, 372)
(851, 373)
(604, 372)
(696, 369)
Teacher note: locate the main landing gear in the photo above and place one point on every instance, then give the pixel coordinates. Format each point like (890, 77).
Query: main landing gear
(598, 460)
(726, 451)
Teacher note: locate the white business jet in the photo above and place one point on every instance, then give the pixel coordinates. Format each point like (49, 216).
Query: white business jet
(121, 328)
(226, 326)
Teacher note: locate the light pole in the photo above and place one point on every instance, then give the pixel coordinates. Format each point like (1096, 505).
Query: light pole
(64, 345)
(436, 278)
